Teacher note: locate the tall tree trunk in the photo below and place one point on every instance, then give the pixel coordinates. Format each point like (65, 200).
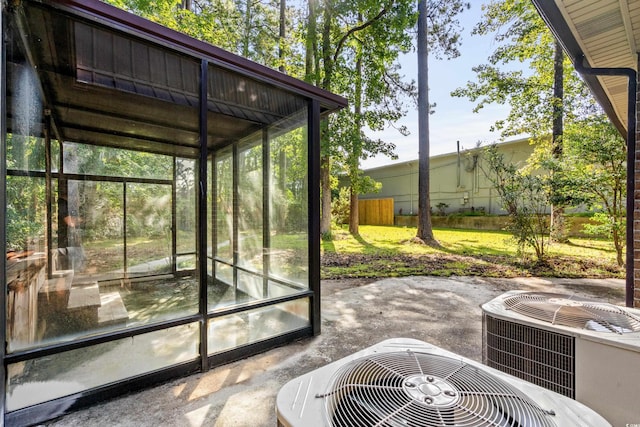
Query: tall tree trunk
(558, 231)
(312, 63)
(354, 222)
(354, 163)
(312, 59)
(425, 231)
(247, 29)
(310, 43)
(283, 34)
(325, 185)
(325, 159)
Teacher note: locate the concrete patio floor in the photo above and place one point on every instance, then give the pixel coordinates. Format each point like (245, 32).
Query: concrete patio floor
(355, 315)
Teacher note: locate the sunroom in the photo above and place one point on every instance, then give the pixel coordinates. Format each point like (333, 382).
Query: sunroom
(161, 206)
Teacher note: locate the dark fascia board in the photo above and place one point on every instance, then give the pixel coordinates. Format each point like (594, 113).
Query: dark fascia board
(560, 29)
(123, 20)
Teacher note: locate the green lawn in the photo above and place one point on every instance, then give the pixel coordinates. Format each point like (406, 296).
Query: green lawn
(386, 252)
(382, 251)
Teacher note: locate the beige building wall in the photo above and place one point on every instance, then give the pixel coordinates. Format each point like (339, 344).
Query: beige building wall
(458, 180)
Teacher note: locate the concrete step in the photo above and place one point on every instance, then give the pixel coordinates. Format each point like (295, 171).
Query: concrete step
(112, 310)
(82, 308)
(84, 296)
(60, 282)
(54, 293)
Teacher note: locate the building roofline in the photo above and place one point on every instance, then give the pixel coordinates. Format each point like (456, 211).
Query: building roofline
(408, 162)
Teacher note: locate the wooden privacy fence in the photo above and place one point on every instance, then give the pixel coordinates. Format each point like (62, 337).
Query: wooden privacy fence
(375, 212)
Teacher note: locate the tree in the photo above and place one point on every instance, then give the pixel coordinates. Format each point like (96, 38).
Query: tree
(377, 101)
(541, 100)
(378, 27)
(263, 32)
(525, 198)
(523, 38)
(24, 221)
(213, 21)
(558, 232)
(353, 156)
(312, 58)
(329, 40)
(444, 39)
(596, 175)
(425, 230)
(282, 35)
(251, 28)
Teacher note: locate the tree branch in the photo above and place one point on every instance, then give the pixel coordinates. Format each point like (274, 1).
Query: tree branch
(355, 30)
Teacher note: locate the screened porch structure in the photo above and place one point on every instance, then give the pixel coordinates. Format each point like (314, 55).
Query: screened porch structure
(161, 206)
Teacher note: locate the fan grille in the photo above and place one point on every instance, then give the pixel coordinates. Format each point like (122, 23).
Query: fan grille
(423, 389)
(569, 310)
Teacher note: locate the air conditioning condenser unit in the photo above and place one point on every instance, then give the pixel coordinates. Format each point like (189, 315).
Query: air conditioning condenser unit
(406, 382)
(583, 349)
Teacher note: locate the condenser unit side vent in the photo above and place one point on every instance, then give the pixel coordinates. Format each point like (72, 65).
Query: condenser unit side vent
(536, 355)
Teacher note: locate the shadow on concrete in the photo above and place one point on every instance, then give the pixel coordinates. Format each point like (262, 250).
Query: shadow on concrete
(355, 315)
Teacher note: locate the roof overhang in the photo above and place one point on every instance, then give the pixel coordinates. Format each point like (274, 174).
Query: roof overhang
(128, 22)
(606, 33)
(106, 77)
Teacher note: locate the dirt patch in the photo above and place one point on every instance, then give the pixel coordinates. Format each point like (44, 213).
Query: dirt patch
(341, 266)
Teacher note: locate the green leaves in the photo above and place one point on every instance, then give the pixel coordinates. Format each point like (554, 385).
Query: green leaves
(596, 163)
(444, 27)
(523, 39)
(351, 47)
(525, 198)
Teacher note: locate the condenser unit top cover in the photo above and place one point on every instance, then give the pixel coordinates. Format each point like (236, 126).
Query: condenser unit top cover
(571, 315)
(405, 382)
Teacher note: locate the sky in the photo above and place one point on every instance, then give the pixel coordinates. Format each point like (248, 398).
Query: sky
(454, 119)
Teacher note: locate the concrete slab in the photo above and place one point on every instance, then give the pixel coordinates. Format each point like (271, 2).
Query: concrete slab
(355, 314)
(112, 310)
